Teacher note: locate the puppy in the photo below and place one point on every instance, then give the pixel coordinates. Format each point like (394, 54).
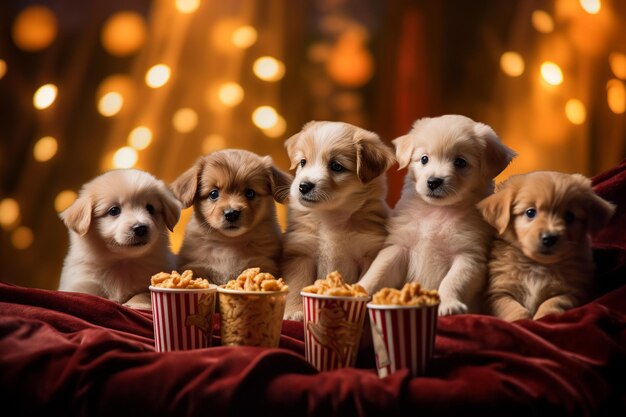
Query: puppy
(337, 211)
(118, 236)
(233, 226)
(541, 261)
(437, 237)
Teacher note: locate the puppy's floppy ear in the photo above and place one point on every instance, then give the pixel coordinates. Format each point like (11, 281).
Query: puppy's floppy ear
(404, 150)
(496, 209)
(279, 181)
(373, 157)
(497, 155)
(292, 142)
(77, 217)
(186, 185)
(171, 207)
(599, 211)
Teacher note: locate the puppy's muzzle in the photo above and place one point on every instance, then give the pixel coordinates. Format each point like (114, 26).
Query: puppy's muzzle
(140, 230)
(434, 183)
(548, 240)
(305, 187)
(231, 215)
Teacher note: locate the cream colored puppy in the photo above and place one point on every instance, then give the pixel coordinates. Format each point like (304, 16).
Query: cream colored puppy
(233, 226)
(337, 211)
(118, 230)
(437, 236)
(541, 262)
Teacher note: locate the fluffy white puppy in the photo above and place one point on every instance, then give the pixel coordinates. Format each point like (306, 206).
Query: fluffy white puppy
(337, 209)
(118, 236)
(437, 236)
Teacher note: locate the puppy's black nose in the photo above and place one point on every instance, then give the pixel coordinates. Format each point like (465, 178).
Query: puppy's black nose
(140, 230)
(231, 215)
(434, 183)
(305, 187)
(548, 240)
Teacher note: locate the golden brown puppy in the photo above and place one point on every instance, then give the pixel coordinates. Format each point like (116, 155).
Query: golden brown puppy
(541, 262)
(337, 209)
(233, 226)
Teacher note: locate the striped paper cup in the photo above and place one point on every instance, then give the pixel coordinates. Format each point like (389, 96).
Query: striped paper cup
(183, 318)
(403, 336)
(332, 329)
(251, 318)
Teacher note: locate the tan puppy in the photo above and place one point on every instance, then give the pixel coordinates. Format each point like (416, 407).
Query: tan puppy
(437, 237)
(233, 226)
(541, 262)
(337, 211)
(118, 236)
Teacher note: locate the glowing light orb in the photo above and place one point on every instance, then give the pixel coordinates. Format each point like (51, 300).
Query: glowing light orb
(45, 149)
(158, 75)
(187, 6)
(542, 21)
(9, 212)
(125, 157)
(591, 6)
(551, 73)
(22, 238)
(244, 37)
(123, 33)
(64, 199)
(268, 68)
(264, 117)
(34, 28)
(616, 96)
(278, 129)
(575, 111)
(230, 94)
(512, 64)
(45, 96)
(110, 104)
(185, 120)
(617, 61)
(140, 137)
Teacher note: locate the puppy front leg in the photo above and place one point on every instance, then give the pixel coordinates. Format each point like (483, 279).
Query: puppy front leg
(299, 272)
(557, 304)
(389, 269)
(461, 285)
(508, 308)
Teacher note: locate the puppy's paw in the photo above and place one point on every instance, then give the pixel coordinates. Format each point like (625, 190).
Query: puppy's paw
(450, 307)
(294, 315)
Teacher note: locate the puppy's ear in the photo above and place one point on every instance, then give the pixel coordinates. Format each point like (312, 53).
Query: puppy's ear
(292, 142)
(186, 185)
(496, 209)
(171, 208)
(404, 150)
(373, 157)
(77, 217)
(497, 155)
(599, 211)
(279, 181)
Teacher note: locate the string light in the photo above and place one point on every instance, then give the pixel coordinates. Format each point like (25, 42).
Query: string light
(616, 96)
(551, 73)
(268, 68)
(64, 199)
(591, 6)
(45, 149)
(22, 238)
(264, 117)
(158, 75)
(34, 28)
(140, 137)
(110, 104)
(9, 213)
(244, 37)
(542, 21)
(3, 68)
(125, 157)
(230, 94)
(187, 6)
(45, 96)
(512, 64)
(123, 33)
(617, 61)
(575, 111)
(185, 120)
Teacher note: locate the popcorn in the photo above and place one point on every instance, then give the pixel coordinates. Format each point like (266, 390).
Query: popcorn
(176, 280)
(252, 279)
(334, 285)
(410, 295)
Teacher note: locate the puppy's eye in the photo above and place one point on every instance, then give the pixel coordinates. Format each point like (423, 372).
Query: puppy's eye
(569, 217)
(531, 213)
(460, 163)
(424, 160)
(114, 211)
(250, 193)
(214, 194)
(336, 166)
(302, 162)
(150, 208)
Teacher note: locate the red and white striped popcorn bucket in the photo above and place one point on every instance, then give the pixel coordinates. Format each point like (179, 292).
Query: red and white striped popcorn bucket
(183, 318)
(332, 329)
(403, 336)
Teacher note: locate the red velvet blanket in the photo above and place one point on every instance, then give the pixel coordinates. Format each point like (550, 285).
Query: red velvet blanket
(67, 354)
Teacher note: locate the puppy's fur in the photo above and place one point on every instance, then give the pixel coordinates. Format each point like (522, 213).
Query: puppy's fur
(337, 211)
(233, 226)
(118, 236)
(437, 237)
(541, 262)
